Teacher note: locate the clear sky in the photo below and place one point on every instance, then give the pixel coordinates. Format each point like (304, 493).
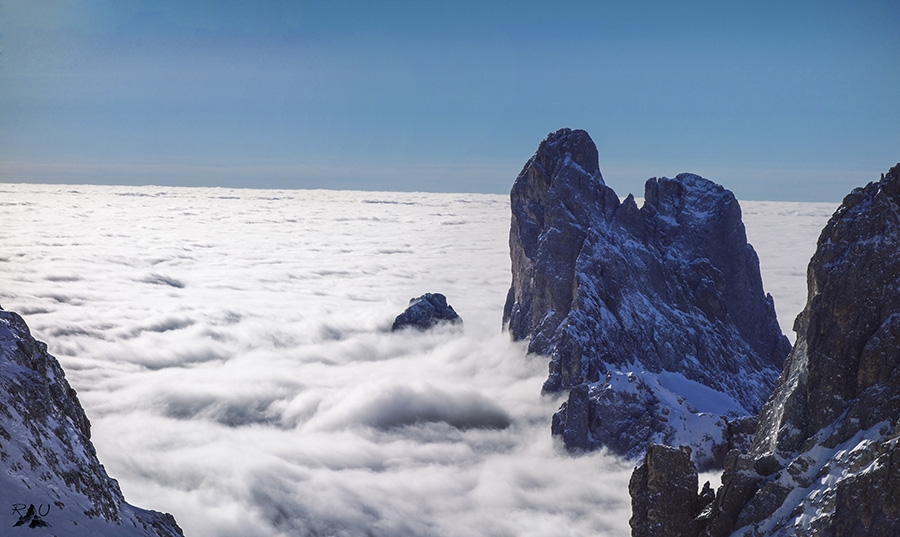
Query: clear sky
(774, 100)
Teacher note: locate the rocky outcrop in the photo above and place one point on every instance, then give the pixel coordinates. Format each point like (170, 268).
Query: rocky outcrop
(664, 498)
(46, 453)
(824, 459)
(654, 318)
(425, 312)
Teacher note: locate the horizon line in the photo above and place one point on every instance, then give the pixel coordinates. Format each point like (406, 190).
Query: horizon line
(477, 177)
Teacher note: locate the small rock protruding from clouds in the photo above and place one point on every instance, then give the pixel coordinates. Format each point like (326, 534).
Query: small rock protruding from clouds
(425, 312)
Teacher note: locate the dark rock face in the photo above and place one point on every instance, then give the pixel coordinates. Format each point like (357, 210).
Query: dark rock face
(648, 314)
(664, 499)
(45, 448)
(848, 334)
(557, 198)
(426, 312)
(824, 459)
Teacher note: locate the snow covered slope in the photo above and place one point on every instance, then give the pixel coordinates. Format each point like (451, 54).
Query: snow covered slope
(51, 481)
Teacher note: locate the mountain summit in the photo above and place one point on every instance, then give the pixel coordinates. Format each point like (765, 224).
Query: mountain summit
(654, 318)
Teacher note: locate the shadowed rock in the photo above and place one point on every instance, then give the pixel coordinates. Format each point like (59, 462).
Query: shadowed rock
(664, 499)
(824, 459)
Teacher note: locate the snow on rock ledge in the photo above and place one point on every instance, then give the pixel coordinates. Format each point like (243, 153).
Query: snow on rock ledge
(606, 288)
(48, 466)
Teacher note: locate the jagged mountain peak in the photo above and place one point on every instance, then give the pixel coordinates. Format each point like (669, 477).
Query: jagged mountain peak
(846, 331)
(606, 288)
(688, 198)
(554, 201)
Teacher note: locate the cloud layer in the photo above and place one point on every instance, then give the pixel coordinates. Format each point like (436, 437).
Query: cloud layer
(233, 351)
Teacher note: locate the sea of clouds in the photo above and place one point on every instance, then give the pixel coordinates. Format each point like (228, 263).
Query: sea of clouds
(233, 351)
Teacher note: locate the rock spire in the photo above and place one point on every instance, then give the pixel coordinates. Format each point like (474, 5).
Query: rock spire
(654, 318)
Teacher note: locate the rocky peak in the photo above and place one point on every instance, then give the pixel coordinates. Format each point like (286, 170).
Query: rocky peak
(849, 332)
(831, 427)
(664, 498)
(567, 148)
(639, 309)
(701, 220)
(554, 202)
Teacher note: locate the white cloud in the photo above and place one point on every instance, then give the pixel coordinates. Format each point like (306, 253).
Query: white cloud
(232, 349)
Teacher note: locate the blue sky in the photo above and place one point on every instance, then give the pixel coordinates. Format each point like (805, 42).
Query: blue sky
(774, 100)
